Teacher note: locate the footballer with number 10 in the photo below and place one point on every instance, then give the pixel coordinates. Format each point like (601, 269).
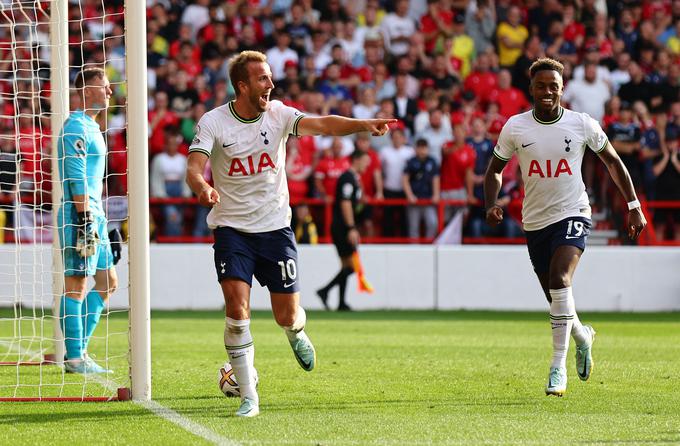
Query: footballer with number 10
(245, 141)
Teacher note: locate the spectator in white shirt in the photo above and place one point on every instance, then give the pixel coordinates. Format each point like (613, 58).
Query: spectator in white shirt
(436, 134)
(280, 54)
(367, 106)
(393, 159)
(588, 95)
(397, 28)
(168, 171)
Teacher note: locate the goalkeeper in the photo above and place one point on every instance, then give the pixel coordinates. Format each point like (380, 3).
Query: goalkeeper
(87, 248)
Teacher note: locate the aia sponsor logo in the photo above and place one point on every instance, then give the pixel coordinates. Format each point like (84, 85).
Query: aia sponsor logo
(249, 166)
(547, 171)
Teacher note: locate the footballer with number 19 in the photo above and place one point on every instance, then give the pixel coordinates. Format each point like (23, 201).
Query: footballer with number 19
(550, 142)
(245, 141)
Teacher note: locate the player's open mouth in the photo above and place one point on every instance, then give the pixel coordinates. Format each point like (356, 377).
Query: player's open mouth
(547, 101)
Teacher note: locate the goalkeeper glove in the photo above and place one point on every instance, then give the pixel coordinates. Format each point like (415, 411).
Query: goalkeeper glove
(116, 241)
(87, 238)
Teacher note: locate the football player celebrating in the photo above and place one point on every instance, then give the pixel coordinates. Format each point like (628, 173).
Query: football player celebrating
(245, 141)
(550, 142)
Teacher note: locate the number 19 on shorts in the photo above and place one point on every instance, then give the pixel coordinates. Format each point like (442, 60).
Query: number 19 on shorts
(575, 229)
(288, 270)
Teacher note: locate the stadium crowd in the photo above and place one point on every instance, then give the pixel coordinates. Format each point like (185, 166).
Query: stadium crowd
(451, 71)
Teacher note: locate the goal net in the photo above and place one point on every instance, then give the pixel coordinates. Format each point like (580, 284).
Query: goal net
(43, 46)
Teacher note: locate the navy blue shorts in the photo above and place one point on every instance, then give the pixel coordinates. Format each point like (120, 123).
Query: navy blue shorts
(543, 243)
(269, 256)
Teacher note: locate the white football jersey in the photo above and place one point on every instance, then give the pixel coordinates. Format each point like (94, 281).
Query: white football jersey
(550, 156)
(248, 162)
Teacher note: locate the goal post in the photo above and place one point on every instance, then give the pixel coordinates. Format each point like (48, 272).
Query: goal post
(34, 104)
(59, 101)
(138, 193)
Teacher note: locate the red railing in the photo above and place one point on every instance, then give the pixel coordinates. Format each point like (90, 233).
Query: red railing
(323, 211)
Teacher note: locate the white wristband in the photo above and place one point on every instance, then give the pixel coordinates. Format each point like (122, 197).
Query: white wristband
(633, 204)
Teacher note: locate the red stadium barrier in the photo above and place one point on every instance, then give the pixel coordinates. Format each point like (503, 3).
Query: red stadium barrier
(324, 210)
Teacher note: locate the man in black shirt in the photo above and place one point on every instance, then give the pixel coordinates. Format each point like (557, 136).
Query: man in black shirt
(347, 206)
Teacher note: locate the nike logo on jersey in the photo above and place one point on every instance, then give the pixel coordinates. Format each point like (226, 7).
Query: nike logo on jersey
(524, 146)
(569, 237)
(228, 145)
(288, 285)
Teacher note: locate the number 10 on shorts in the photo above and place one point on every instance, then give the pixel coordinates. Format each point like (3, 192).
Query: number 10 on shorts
(288, 270)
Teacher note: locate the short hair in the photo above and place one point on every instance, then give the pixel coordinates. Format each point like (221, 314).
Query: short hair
(357, 154)
(87, 74)
(238, 66)
(545, 64)
(422, 142)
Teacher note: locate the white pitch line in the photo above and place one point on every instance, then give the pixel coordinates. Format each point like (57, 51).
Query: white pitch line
(190, 426)
(159, 410)
(185, 423)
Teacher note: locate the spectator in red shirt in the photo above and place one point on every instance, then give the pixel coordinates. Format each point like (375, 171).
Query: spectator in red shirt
(247, 16)
(510, 100)
(574, 31)
(160, 118)
(371, 178)
(438, 22)
(298, 172)
(482, 81)
(329, 170)
(457, 171)
(189, 60)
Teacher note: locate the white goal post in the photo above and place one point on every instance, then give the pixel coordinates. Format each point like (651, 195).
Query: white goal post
(39, 32)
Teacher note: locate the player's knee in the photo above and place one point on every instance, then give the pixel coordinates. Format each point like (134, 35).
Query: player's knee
(558, 281)
(285, 318)
(107, 287)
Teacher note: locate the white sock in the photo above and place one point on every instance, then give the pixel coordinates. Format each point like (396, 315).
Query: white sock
(239, 344)
(561, 320)
(580, 334)
(298, 325)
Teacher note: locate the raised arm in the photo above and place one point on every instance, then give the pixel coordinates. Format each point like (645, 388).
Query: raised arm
(334, 125)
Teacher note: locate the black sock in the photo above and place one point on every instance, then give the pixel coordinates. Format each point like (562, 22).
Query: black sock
(342, 275)
(342, 284)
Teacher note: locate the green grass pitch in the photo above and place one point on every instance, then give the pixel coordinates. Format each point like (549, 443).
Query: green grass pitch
(385, 378)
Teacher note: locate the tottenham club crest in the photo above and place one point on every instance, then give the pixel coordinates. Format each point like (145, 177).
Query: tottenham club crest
(567, 141)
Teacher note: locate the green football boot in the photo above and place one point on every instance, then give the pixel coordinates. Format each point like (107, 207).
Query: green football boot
(584, 356)
(557, 381)
(303, 350)
(248, 409)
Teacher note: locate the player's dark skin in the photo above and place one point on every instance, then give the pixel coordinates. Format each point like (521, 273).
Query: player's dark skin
(546, 89)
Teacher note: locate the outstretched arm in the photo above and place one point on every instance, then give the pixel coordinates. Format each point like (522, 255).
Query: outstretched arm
(207, 196)
(493, 181)
(334, 125)
(621, 177)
